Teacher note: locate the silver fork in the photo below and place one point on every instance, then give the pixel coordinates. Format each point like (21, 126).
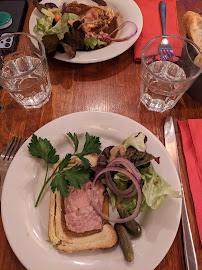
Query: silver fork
(7, 156)
(165, 49)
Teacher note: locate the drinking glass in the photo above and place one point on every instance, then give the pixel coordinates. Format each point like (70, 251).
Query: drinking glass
(24, 69)
(165, 80)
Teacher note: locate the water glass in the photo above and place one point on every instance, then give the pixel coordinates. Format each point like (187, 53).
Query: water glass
(24, 69)
(165, 80)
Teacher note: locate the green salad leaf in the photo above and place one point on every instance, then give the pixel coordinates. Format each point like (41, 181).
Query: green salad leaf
(92, 43)
(73, 17)
(39, 6)
(43, 24)
(137, 141)
(51, 42)
(60, 28)
(155, 188)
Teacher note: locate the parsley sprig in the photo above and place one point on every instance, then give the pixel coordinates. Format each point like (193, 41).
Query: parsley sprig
(92, 145)
(61, 179)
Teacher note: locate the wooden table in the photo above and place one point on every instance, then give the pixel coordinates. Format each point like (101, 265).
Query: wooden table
(111, 86)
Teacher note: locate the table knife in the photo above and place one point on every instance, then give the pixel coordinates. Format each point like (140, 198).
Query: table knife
(171, 146)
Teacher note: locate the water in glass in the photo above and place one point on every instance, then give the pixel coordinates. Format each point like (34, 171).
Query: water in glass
(162, 94)
(30, 85)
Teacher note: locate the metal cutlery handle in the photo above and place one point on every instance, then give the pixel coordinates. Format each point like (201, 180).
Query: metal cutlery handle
(189, 251)
(171, 146)
(162, 11)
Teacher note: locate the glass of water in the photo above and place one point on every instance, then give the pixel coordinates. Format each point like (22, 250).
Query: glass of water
(24, 69)
(165, 79)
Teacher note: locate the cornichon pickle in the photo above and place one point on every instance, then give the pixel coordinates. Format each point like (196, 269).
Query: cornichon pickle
(132, 226)
(125, 242)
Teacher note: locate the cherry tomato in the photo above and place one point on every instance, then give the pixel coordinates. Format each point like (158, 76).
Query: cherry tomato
(57, 17)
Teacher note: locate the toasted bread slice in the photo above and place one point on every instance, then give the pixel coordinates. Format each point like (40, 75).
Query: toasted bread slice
(193, 26)
(68, 241)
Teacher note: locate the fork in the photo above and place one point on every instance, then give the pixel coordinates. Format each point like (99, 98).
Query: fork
(12, 147)
(7, 156)
(165, 49)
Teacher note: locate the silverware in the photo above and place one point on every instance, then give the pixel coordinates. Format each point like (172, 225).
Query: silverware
(165, 49)
(171, 146)
(7, 156)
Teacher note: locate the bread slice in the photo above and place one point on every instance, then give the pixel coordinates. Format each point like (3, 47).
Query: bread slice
(193, 26)
(68, 241)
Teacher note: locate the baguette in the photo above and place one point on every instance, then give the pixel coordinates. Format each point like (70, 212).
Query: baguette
(193, 25)
(68, 241)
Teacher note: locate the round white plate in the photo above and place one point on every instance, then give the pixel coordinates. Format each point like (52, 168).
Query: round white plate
(26, 227)
(129, 11)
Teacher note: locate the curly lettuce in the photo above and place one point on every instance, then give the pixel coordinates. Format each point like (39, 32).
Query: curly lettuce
(155, 188)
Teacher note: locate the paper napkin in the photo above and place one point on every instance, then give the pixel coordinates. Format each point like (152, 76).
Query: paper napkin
(191, 133)
(152, 23)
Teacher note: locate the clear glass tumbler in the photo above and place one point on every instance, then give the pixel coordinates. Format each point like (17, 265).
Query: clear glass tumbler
(24, 69)
(167, 74)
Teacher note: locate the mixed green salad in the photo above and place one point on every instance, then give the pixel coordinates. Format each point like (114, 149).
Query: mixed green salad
(64, 31)
(77, 26)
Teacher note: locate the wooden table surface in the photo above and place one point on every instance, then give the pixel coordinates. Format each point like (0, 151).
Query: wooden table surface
(110, 86)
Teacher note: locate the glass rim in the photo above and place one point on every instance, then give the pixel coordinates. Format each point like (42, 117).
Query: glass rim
(178, 37)
(43, 56)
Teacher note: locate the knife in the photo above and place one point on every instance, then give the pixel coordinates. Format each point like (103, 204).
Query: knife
(171, 146)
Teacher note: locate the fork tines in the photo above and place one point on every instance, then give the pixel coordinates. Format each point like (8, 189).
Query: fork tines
(166, 51)
(12, 147)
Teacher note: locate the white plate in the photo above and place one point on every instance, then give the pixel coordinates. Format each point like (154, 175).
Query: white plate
(26, 227)
(129, 11)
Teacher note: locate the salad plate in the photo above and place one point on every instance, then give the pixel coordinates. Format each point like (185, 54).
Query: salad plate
(128, 11)
(26, 227)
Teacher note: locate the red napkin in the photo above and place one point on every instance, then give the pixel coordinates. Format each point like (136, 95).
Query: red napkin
(152, 23)
(191, 133)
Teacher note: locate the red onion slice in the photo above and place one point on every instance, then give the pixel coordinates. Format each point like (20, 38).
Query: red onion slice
(131, 191)
(128, 164)
(137, 185)
(127, 23)
(127, 193)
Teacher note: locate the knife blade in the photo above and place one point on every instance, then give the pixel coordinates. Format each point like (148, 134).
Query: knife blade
(171, 146)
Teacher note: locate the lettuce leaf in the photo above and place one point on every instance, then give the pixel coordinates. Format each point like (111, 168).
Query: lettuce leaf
(73, 17)
(92, 43)
(137, 141)
(60, 28)
(122, 181)
(43, 24)
(155, 188)
(136, 150)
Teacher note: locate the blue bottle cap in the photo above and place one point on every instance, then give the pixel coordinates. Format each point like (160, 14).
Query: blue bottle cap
(5, 19)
